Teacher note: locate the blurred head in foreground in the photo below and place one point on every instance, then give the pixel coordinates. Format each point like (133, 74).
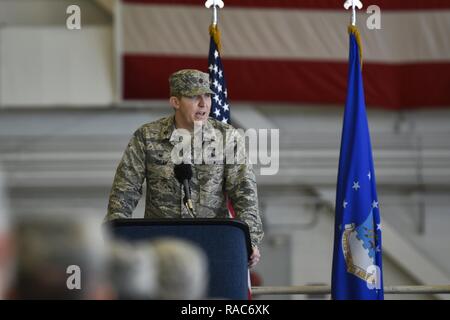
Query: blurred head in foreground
(57, 257)
(132, 270)
(182, 270)
(159, 269)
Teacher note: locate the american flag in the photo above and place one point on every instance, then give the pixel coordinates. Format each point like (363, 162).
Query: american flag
(220, 109)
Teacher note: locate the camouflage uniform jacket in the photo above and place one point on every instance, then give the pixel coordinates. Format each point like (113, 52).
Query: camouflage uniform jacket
(148, 157)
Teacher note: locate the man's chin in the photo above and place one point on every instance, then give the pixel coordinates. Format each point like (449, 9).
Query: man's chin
(200, 121)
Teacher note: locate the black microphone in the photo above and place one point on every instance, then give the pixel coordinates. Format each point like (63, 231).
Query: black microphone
(183, 173)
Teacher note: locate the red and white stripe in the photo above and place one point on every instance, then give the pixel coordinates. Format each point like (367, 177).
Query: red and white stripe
(291, 51)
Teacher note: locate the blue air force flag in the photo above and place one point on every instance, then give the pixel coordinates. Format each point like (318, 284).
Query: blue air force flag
(220, 109)
(357, 267)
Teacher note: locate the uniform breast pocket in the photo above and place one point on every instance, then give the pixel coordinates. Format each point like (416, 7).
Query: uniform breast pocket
(160, 176)
(158, 157)
(210, 183)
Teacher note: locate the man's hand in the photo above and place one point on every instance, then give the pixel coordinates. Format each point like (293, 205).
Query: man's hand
(254, 258)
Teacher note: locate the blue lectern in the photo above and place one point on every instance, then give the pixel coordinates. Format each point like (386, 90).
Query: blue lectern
(226, 243)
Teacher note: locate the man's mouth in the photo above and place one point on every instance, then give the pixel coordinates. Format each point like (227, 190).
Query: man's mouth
(200, 114)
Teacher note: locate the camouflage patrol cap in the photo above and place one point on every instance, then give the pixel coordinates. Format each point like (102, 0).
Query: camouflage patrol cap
(189, 83)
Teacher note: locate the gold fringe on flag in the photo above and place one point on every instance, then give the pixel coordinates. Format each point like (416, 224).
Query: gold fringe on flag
(355, 31)
(215, 33)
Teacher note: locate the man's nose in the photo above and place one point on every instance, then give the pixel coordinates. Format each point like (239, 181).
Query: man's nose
(202, 101)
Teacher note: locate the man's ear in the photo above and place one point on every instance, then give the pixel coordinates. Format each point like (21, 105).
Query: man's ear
(174, 102)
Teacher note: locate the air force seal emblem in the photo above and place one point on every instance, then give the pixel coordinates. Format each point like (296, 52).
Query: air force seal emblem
(359, 244)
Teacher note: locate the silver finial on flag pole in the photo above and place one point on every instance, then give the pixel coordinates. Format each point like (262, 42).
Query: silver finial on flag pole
(214, 4)
(354, 4)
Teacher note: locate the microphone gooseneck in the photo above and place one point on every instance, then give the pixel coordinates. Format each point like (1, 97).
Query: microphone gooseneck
(183, 173)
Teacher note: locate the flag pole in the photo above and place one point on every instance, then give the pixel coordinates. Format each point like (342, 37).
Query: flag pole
(352, 28)
(214, 4)
(214, 15)
(213, 29)
(220, 107)
(354, 4)
(353, 15)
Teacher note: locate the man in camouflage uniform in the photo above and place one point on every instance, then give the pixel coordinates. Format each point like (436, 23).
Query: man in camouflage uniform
(148, 157)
